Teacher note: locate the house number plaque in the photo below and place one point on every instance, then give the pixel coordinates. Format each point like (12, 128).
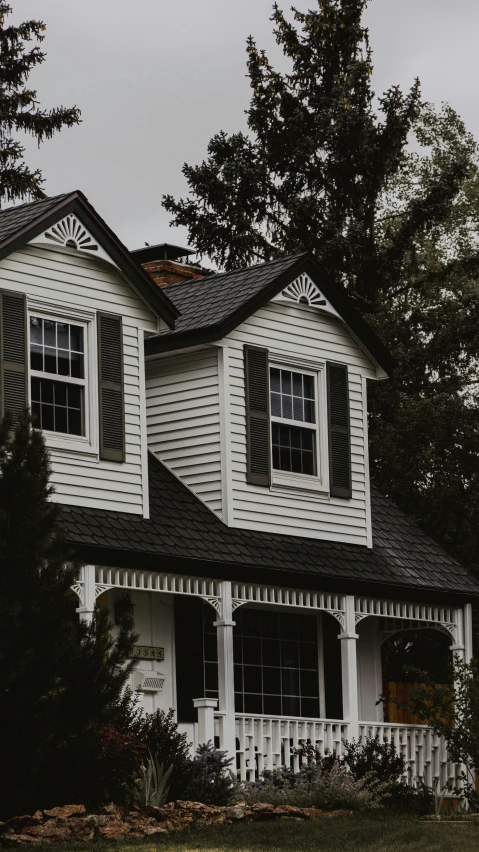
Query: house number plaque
(148, 652)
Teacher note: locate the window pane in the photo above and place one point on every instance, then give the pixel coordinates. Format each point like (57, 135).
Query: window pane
(76, 338)
(309, 415)
(275, 405)
(309, 683)
(211, 647)
(298, 408)
(77, 365)
(61, 422)
(48, 421)
(36, 333)
(297, 384)
(36, 415)
(250, 651)
(239, 703)
(308, 387)
(271, 652)
(60, 393)
(275, 381)
(291, 706)
(238, 675)
(308, 654)
(272, 681)
(63, 362)
(270, 624)
(310, 708)
(211, 676)
(49, 327)
(286, 386)
(35, 390)
(74, 422)
(272, 705)
(290, 681)
(252, 678)
(36, 357)
(63, 337)
(290, 654)
(74, 396)
(253, 704)
(288, 407)
(308, 628)
(50, 360)
(284, 459)
(289, 626)
(47, 392)
(296, 461)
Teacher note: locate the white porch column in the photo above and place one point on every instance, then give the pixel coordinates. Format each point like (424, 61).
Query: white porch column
(206, 719)
(468, 648)
(87, 608)
(226, 689)
(349, 668)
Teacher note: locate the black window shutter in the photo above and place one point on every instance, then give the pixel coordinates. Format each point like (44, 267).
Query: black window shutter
(257, 415)
(13, 357)
(110, 380)
(339, 433)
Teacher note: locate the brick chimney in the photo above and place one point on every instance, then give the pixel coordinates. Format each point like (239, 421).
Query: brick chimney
(167, 264)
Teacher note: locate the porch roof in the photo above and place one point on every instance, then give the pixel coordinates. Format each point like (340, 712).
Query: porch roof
(184, 536)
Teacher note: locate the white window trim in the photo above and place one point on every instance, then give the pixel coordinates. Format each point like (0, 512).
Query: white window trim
(85, 446)
(302, 483)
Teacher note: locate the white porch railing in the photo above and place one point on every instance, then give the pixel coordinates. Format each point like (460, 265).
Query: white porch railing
(268, 743)
(425, 753)
(264, 742)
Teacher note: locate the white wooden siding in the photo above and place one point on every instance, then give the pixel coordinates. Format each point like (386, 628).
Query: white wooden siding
(300, 332)
(183, 418)
(70, 280)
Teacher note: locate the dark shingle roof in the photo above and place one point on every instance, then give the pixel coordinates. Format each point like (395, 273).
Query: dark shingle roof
(13, 219)
(213, 306)
(208, 301)
(182, 529)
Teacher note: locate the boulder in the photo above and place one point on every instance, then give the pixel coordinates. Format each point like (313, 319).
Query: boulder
(66, 811)
(114, 829)
(289, 811)
(18, 823)
(112, 810)
(235, 812)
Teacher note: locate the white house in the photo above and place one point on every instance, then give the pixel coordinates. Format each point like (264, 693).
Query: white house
(209, 448)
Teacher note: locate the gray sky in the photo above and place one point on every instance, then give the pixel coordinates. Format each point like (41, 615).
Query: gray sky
(156, 79)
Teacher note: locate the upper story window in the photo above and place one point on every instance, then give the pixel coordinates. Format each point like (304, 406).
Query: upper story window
(294, 447)
(57, 375)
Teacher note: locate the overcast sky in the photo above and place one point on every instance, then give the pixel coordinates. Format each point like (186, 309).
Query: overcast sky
(155, 79)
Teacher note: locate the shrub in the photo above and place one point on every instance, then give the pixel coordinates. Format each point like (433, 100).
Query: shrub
(208, 777)
(317, 787)
(372, 756)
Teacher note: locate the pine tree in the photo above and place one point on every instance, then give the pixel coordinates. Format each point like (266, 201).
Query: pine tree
(325, 167)
(61, 681)
(19, 108)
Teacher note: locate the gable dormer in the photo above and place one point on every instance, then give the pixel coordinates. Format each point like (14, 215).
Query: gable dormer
(258, 402)
(74, 309)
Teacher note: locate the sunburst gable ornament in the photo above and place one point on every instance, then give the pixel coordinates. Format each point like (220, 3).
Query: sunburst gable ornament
(303, 290)
(70, 233)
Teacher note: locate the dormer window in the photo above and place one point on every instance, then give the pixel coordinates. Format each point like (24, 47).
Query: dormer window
(293, 401)
(57, 375)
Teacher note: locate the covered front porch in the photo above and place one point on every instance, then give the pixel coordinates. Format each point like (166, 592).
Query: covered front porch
(261, 670)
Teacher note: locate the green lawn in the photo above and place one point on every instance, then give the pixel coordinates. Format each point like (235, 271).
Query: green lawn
(380, 833)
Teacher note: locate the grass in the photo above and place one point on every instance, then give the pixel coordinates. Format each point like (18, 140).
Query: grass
(378, 833)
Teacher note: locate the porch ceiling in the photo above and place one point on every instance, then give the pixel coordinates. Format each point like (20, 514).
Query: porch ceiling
(183, 535)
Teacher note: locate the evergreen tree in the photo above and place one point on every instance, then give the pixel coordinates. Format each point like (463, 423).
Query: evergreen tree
(61, 681)
(19, 108)
(326, 168)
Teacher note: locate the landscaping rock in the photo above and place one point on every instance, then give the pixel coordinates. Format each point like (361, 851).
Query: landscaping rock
(289, 811)
(114, 829)
(65, 811)
(71, 822)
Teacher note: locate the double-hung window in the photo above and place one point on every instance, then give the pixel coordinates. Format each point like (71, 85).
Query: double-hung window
(57, 376)
(294, 431)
